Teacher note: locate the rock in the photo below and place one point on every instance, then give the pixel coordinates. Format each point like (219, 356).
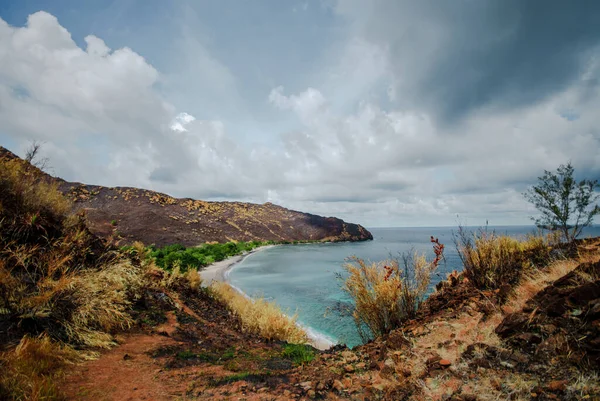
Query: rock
(338, 386)
(389, 363)
(306, 385)
(557, 385)
(127, 357)
(585, 293)
(512, 324)
(528, 338)
(518, 357)
(444, 363)
(347, 382)
(433, 360)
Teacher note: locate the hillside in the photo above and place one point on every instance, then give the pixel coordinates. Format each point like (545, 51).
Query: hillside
(132, 214)
(83, 320)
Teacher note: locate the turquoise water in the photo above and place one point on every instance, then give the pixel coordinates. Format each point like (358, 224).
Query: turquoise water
(303, 278)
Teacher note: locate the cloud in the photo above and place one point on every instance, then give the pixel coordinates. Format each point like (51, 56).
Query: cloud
(456, 57)
(368, 140)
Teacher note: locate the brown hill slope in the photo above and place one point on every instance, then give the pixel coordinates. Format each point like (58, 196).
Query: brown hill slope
(132, 214)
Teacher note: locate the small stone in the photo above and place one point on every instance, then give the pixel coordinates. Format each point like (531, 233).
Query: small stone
(444, 363)
(557, 385)
(347, 382)
(306, 385)
(127, 357)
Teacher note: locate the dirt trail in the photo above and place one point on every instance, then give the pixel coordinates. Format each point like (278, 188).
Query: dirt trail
(127, 372)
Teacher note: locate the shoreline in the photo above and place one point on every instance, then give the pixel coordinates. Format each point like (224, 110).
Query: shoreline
(219, 272)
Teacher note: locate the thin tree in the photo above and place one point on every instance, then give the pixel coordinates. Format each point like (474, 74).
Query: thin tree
(565, 204)
(32, 155)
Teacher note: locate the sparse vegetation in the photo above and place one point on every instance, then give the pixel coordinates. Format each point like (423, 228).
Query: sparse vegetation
(491, 260)
(30, 371)
(261, 316)
(298, 353)
(388, 293)
(57, 281)
(566, 205)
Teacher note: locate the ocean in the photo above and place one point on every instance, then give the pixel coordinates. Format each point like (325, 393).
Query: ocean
(304, 279)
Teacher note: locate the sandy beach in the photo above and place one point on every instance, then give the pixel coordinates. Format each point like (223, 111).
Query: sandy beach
(218, 272)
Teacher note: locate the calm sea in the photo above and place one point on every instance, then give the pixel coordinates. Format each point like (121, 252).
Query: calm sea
(303, 279)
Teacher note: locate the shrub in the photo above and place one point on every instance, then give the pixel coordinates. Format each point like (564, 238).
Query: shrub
(260, 316)
(388, 293)
(198, 257)
(55, 276)
(491, 260)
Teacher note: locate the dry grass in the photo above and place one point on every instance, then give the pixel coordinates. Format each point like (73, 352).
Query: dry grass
(193, 278)
(385, 294)
(491, 260)
(536, 280)
(585, 387)
(58, 282)
(260, 316)
(32, 369)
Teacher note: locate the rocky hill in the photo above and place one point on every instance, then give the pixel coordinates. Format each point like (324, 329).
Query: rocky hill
(132, 214)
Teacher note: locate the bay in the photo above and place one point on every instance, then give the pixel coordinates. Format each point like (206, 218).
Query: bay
(304, 279)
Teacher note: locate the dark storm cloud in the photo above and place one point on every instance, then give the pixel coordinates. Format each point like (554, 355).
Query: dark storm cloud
(454, 57)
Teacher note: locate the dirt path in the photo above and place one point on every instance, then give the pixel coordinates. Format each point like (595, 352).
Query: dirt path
(127, 372)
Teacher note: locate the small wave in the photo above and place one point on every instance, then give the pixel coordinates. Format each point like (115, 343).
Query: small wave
(318, 337)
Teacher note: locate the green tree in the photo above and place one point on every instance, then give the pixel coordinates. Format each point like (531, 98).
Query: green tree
(565, 204)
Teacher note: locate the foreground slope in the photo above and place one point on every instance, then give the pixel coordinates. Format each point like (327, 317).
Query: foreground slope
(466, 344)
(132, 214)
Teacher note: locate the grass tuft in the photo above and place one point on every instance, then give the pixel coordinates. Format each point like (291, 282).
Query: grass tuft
(300, 354)
(32, 369)
(260, 316)
(491, 260)
(388, 293)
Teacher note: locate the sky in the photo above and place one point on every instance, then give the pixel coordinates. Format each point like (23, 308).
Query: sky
(382, 112)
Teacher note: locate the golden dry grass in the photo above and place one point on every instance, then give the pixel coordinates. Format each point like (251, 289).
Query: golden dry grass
(56, 279)
(386, 294)
(260, 316)
(491, 260)
(536, 280)
(32, 369)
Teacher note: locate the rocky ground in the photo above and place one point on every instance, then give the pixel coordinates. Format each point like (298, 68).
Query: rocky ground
(538, 341)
